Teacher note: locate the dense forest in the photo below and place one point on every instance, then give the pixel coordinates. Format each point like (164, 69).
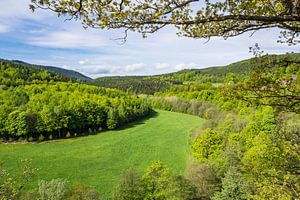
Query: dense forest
(134, 84)
(36, 104)
(54, 71)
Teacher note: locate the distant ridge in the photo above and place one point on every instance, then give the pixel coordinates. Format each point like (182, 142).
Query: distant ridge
(71, 74)
(159, 83)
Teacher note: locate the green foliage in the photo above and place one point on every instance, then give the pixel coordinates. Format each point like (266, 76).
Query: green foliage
(12, 185)
(52, 190)
(203, 178)
(208, 144)
(129, 186)
(82, 192)
(157, 183)
(210, 18)
(68, 135)
(14, 73)
(56, 109)
(233, 187)
(160, 183)
(274, 81)
(132, 84)
(41, 138)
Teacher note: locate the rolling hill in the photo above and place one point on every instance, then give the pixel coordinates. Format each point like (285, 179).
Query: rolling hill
(70, 74)
(160, 83)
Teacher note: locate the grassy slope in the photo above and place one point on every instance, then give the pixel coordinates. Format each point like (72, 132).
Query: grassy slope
(98, 160)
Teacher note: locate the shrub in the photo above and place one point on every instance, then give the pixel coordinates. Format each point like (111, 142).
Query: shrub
(83, 192)
(68, 135)
(50, 137)
(208, 144)
(160, 183)
(21, 139)
(203, 178)
(30, 139)
(52, 190)
(233, 187)
(41, 138)
(129, 187)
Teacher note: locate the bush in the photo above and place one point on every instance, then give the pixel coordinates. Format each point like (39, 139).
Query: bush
(41, 138)
(208, 144)
(82, 192)
(68, 135)
(52, 190)
(30, 139)
(50, 137)
(203, 178)
(233, 187)
(129, 187)
(160, 183)
(21, 139)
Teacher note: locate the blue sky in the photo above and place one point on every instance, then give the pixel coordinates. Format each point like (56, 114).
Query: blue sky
(43, 38)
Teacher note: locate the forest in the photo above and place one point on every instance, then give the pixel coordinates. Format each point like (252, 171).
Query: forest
(36, 105)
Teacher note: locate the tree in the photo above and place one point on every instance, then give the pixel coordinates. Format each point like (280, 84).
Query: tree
(129, 186)
(11, 186)
(192, 18)
(233, 187)
(274, 81)
(161, 184)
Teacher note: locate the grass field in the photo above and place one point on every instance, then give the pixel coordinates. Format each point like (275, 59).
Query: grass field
(99, 159)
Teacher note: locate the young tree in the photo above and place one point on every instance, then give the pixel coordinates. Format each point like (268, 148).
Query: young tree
(192, 18)
(129, 186)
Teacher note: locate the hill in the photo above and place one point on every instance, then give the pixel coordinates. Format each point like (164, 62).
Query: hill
(70, 74)
(98, 160)
(160, 83)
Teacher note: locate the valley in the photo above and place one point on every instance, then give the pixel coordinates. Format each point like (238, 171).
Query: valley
(98, 160)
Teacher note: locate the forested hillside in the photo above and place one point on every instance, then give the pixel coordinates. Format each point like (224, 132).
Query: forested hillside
(64, 73)
(14, 74)
(134, 84)
(36, 105)
(211, 75)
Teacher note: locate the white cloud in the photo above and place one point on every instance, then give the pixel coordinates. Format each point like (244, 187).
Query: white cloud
(4, 28)
(135, 67)
(182, 66)
(19, 9)
(68, 39)
(161, 66)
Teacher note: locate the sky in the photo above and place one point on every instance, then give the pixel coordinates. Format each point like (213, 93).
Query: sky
(45, 39)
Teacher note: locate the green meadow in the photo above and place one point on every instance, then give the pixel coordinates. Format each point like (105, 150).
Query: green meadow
(98, 160)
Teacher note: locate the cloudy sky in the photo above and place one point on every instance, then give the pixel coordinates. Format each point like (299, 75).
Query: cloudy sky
(43, 38)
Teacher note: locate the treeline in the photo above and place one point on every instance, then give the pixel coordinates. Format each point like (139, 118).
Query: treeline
(53, 111)
(13, 74)
(132, 84)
